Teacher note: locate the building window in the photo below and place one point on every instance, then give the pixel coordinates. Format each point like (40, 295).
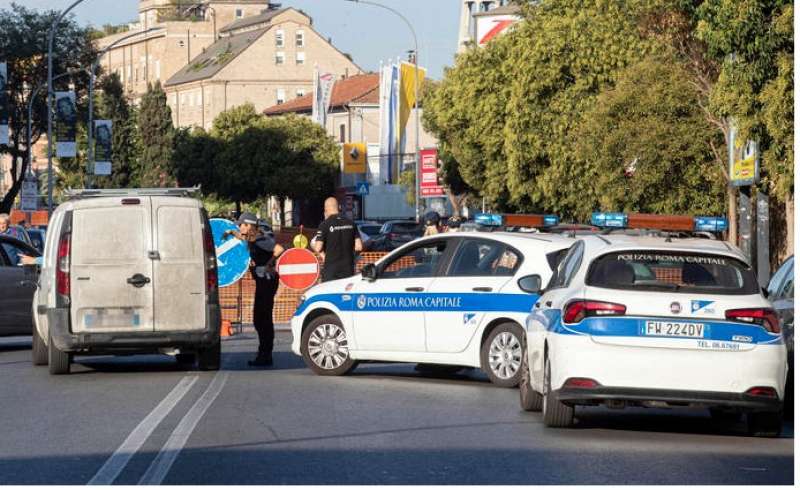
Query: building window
(342, 131)
(300, 92)
(279, 39)
(300, 58)
(280, 57)
(239, 13)
(300, 39)
(280, 96)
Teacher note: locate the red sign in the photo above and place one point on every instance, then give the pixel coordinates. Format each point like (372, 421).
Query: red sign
(298, 268)
(429, 185)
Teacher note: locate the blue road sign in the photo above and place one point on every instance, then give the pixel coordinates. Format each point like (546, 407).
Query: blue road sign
(233, 258)
(362, 188)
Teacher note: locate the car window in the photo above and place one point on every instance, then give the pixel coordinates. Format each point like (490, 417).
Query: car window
(13, 253)
(568, 267)
(777, 287)
(404, 228)
(420, 261)
(657, 270)
(4, 262)
(370, 230)
(787, 288)
(484, 258)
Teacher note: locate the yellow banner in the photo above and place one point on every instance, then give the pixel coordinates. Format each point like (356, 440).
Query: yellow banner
(744, 169)
(354, 156)
(407, 94)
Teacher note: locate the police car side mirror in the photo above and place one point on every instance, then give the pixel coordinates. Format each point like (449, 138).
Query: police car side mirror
(531, 284)
(369, 272)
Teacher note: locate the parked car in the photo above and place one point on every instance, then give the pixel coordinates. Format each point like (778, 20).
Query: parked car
(781, 292)
(128, 272)
(394, 234)
(368, 230)
(17, 285)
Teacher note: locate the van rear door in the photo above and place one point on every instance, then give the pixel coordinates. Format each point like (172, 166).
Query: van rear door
(110, 271)
(178, 265)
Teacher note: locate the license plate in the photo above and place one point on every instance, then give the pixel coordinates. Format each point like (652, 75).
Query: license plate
(674, 329)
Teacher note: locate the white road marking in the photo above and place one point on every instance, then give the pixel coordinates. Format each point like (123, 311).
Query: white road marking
(161, 465)
(290, 269)
(117, 461)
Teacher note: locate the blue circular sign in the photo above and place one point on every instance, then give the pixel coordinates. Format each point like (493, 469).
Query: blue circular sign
(233, 257)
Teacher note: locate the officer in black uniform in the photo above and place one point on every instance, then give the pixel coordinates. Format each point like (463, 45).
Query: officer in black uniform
(337, 241)
(263, 252)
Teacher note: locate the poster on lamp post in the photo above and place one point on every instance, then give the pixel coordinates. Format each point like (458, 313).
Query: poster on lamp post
(66, 122)
(103, 152)
(4, 109)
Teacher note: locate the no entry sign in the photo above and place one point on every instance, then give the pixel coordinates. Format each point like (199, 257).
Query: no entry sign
(298, 268)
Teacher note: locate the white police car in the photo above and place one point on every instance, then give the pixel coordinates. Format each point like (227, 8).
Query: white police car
(655, 321)
(455, 299)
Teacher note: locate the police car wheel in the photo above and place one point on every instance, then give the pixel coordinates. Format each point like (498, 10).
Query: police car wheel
(501, 355)
(325, 347)
(529, 399)
(38, 349)
(556, 414)
(765, 424)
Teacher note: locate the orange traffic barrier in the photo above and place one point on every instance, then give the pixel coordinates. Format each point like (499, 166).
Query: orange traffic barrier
(226, 330)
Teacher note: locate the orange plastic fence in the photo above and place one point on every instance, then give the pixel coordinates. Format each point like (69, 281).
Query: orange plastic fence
(237, 299)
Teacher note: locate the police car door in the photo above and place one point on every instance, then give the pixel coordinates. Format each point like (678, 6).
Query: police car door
(471, 293)
(389, 313)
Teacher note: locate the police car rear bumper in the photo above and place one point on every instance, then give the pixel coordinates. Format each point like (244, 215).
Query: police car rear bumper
(616, 396)
(66, 341)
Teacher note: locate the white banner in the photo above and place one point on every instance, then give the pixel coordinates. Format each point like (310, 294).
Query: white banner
(323, 89)
(4, 109)
(29, 195)
(103, 148)
(66, 124)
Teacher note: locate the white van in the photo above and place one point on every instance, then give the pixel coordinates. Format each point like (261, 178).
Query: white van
(128, 271)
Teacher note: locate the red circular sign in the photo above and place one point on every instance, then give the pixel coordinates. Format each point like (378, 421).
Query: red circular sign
(298, 268)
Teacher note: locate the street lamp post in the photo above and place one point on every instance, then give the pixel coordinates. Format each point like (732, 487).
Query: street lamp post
(92, 71)
(416, 98)
(50, 36)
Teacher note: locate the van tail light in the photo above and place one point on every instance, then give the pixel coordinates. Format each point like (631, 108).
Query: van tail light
(211, 261)
(764, 317)
(764, 391)
(584, 383)
(576, 311)
(63, 267)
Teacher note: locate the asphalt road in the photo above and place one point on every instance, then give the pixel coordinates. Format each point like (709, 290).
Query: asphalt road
(131, 420)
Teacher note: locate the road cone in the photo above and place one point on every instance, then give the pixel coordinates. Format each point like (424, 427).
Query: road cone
(225, 329)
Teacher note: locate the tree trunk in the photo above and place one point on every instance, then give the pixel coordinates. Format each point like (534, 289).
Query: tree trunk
(733, 221)
(282, 206)
(238, 209)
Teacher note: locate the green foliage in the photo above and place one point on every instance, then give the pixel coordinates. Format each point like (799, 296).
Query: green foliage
(650, 117)
(114, 105)
(156, 134)
(407, 180)
(23, 45)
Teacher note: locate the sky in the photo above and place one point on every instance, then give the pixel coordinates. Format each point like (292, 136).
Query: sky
(368, 33)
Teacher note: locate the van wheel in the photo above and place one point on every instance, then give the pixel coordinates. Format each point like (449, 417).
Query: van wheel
(326, 348)
(501, 355)
(765, 424)
(209, 358)
(556, 414)
(38, 349)
(58, 361)
(185, 359)
(529, 399)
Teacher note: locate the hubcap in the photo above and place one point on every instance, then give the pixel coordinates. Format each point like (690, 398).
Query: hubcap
(327, 346)
(505, 355)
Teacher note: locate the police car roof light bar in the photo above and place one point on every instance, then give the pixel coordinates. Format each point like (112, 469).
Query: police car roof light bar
(517, 220)
(659, 222)
(167, 191)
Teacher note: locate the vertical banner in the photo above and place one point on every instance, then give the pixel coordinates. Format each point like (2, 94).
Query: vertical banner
(66, 121)
(389, 105)
(407, 97)
(103, 152)
(4, 109)
(430, 185)
(744, 161)
(323, 89)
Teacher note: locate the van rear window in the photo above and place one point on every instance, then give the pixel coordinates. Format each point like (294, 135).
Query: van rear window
(657, 270)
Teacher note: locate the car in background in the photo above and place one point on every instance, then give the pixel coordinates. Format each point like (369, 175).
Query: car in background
(394, 234)
(780, 291)
(368, 230)
(17, 285)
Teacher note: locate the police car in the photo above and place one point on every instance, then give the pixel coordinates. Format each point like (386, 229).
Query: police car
(655, 321)
(456, 299)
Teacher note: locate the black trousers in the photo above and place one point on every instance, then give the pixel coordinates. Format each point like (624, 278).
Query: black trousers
(262, 314)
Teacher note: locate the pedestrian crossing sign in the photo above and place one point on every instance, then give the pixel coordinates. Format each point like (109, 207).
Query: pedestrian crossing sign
(362, 188)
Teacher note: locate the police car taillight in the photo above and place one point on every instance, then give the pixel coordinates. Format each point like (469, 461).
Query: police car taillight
(576, 311)
(765, 317)
(63, 267)
(764, 391)
(584, 383)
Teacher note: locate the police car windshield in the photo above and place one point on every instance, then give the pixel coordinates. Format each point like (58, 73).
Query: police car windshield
(667, 271)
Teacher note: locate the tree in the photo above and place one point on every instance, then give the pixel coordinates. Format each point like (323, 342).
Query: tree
(114, 105)
(23, 46)
(194, 157)
(157, 137)
(644, 145)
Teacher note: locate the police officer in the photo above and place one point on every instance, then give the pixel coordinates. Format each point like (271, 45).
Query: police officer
(432, 219)
(263, 252)
(337, 241)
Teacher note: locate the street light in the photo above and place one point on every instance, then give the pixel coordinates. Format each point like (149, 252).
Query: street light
(416, 96)
(92, 71)
(50, 35)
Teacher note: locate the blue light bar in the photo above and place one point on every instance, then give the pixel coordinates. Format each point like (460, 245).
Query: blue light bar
(710, 223)
(486, 219)
(610, 220)
(550, 220)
